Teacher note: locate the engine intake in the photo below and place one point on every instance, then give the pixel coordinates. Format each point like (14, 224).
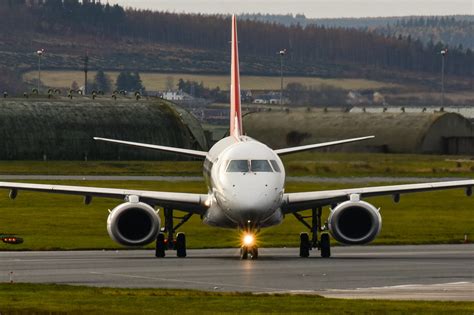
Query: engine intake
(355, 222)
(133, 224)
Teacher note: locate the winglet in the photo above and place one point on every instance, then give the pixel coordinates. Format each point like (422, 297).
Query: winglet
(235, 107)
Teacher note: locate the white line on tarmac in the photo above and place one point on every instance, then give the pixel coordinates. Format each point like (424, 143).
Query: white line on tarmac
(452, 291)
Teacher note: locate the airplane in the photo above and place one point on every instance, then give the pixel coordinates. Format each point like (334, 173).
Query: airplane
(246, 191)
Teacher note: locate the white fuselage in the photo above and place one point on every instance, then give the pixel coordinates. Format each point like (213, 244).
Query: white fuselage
(246, 182)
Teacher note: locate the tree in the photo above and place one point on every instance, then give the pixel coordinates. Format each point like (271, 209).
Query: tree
(170, 83)
(128, 81)
(102, 82)
(74, 86)
(10, 81)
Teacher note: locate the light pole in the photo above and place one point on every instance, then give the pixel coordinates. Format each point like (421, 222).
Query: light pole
(282, 53)
(443, 53)
(86, 69)
(40, 54)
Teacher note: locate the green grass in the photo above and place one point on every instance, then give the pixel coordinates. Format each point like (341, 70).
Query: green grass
(302, 164)
(165, 168)
(159, 81)
(378, 164)
(49, 221)
(34, 298)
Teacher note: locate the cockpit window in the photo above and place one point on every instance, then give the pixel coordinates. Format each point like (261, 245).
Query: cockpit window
(238, 166)
(260, 166)
(275, 166)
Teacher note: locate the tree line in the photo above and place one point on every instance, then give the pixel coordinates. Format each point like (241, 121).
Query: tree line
(311, 44)
(456, 33)
(126, 81)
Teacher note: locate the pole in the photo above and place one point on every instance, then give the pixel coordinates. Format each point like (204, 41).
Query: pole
(40, 54)
(39, 71)
(281, 53)
(442, 80)
(86, 69)
(281, 74)
(444, 52)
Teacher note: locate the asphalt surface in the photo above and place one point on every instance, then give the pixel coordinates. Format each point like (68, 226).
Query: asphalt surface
(434, 272)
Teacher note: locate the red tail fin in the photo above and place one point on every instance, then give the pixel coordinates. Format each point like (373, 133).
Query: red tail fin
(235, 108)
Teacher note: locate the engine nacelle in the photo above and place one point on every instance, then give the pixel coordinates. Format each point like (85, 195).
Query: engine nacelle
(355, 222)
(133, 224)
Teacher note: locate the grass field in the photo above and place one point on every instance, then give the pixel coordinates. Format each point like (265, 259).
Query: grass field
(303, 164)
(49, 221)
(59, 299)
(159, 81)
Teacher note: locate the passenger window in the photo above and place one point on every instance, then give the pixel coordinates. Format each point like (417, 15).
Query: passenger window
(236, 166)
(275, 166)
(260, 166)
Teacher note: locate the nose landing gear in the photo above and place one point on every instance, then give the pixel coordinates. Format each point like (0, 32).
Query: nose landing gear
(322, 244)
(249, 251)
(249, 245)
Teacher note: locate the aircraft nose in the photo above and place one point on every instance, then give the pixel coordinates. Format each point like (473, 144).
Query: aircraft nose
(252, 200)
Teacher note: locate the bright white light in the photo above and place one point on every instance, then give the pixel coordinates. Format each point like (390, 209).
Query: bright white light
(249, 239)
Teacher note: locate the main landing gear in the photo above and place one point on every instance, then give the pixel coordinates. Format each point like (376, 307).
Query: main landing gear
(307, 244)
(167, 242)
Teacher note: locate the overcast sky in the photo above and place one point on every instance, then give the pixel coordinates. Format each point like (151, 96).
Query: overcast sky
(311, 8)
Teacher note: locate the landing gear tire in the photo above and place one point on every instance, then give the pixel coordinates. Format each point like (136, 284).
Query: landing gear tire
(325, 246)
(254, 253)
(305, 245)
(160, 246)
(244, 252)
(180, 245)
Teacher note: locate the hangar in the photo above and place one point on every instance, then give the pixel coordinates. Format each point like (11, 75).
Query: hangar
(35, 129)
(436, 133)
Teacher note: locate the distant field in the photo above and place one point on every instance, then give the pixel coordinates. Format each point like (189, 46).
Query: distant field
(65, 299)
(158, 81)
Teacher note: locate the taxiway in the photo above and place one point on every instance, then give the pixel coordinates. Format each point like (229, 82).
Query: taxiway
(432, 272)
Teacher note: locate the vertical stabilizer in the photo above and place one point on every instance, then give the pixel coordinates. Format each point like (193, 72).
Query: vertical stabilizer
(235, 108)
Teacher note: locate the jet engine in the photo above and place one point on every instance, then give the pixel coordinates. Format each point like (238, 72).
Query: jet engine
(355, 222)
(133, 224)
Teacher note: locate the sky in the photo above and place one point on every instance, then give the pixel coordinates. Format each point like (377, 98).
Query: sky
(311, 8)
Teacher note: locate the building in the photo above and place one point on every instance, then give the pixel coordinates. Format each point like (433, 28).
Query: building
(466, 111)
(176, 96)
(63, 129)
(402, 132)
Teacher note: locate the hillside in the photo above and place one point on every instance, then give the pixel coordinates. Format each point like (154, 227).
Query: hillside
(115, 39)
(450, 30)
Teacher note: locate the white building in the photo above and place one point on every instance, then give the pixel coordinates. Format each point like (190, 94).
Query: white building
(176, 96)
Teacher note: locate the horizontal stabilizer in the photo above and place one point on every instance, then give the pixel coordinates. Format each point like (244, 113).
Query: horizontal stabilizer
(188, 152)
(319, 145)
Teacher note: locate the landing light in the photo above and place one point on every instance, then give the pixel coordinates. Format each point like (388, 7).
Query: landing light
(248, 239)
(11, 239)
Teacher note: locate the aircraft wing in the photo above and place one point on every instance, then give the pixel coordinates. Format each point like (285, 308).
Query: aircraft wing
(294, 202)
(193, 203)
(319, 145)
(195, 153)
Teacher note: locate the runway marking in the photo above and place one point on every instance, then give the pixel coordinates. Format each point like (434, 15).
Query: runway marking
(214, 284)
(409, 286)
(451, 291)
